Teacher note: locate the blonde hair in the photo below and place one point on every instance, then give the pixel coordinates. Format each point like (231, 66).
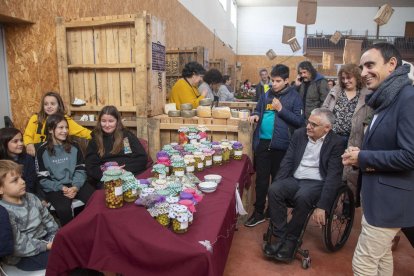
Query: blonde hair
(7, 166)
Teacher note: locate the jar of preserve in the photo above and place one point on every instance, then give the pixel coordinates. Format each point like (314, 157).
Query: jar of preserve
(199, 161)
(179, 215)
(189, 163)
(218, 157)
(178, 166)
(238, 150)
(208, 157)
(226, 151)
(113, 188)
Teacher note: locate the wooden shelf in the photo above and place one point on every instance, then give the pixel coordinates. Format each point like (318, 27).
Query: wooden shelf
(97, 108)
(102, 66)
(126, 123)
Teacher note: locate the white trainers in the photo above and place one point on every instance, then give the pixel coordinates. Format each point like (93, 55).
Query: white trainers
(78, 102)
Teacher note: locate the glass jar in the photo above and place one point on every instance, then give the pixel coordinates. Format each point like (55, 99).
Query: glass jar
(113, 188)
(208, 157)
(238, 150)
(180, 220)
(218, 157)
(130, 195)
(178, 166)
(199, 161)
(162, 210)
(159, 171)
(189, 163)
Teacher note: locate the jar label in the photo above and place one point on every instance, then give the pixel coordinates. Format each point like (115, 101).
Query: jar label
(134, 191)
(193, 141)
(190, 169)
(203, 139)
(217, 157)
(183, 225)
(179, 173)
(162, 176)
(209, 162)
(200, 165)
(238, 152)
(118, 191)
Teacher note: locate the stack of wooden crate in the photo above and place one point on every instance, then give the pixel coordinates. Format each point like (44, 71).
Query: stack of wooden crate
(113, 60)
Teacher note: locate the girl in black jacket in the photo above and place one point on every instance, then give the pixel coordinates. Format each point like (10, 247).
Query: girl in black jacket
(112, 142)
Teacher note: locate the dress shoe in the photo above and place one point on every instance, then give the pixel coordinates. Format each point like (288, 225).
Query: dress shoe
(270, 249)
(287, 252)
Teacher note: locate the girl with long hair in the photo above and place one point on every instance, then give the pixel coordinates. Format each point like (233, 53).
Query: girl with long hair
(12, 148)
(34, 133)
(112, 142)
(61, 168)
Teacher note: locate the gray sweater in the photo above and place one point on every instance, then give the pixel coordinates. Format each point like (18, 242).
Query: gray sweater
(33, 227)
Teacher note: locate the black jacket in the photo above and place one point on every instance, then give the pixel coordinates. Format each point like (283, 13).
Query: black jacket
(330, 163)
(134, 159)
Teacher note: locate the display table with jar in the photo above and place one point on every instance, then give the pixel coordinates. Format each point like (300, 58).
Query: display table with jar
(120, 235)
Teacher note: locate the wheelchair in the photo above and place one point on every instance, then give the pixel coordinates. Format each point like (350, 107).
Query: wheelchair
(337, 228)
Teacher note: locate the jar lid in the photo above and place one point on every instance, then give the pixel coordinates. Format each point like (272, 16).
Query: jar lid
(109, 175)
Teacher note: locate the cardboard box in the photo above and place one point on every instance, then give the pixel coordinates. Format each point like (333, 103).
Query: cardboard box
(288, 33)
(352, 51)
(328, 59)
(271, 54)
(335, 37)
(294, 44)
(306, 12)
(383, 14)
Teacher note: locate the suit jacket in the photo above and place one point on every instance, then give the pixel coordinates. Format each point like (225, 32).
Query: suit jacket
(330, 163)
(387, 165)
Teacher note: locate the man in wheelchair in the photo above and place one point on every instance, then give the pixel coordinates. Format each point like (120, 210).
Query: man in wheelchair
(309, 177)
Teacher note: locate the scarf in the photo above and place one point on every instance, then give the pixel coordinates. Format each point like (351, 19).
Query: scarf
(389, 89)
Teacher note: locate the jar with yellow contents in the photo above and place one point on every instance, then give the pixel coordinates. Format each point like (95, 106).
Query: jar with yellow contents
(199, 161)
(129, 186)
(225, 146)
(179, 215)
(218, 156)
(238, 150)
(113, 188)
(208, 157)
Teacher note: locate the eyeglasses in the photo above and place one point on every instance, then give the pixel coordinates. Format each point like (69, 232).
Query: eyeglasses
(313, 125)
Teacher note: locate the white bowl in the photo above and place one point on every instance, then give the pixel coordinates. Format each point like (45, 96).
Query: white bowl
(213, 178)
(208, 186)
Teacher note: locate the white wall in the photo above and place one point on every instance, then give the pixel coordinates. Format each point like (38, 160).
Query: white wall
(213, 16)
(260, 28)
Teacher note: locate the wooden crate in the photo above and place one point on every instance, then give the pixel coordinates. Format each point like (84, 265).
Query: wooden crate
(164, 130)
(219, 64)
(176, 59)
(112, 60)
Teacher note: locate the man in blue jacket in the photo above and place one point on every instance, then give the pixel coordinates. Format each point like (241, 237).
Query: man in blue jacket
(386, 159)
(278, 113)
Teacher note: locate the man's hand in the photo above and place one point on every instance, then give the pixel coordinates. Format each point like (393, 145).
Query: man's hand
(350, 157)
(297, 81)
(318, 216)
(49, 245)
(253, 119)
(277, 105)
(30, 149)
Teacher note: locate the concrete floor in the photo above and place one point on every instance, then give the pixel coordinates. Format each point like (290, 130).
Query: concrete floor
(246, 256)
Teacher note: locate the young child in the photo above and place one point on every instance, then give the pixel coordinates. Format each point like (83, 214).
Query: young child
(34, 133)
(12, 148)
(111, 142)
(61, 169)
(33, 226)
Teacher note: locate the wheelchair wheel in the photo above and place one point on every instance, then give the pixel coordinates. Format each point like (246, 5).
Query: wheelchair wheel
(340, 219)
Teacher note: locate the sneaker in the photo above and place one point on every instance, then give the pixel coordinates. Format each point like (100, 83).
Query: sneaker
(255, 219)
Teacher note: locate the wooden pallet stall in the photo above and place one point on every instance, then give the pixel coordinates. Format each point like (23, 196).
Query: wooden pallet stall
(113, 60)
(163, 130)
(219, 64)
(177, 58)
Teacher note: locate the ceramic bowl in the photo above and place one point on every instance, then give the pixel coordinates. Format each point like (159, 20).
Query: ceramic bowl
(208, 186)
(213, 178)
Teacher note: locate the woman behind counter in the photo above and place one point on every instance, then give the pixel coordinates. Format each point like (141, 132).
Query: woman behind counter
(185, 89)
(112, 142)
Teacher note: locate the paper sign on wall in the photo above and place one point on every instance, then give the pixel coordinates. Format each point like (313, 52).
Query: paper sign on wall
(352, 51)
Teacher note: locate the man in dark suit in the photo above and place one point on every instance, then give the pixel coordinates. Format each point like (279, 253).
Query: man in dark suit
(386, 159)
(309, 176)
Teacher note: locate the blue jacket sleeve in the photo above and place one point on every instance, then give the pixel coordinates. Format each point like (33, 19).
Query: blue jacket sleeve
(295, 117)
(6, 234)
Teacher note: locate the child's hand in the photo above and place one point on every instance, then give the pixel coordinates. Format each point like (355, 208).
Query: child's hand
(30, 149)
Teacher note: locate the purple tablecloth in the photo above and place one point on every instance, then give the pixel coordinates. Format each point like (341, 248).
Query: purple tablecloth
(129, 241)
